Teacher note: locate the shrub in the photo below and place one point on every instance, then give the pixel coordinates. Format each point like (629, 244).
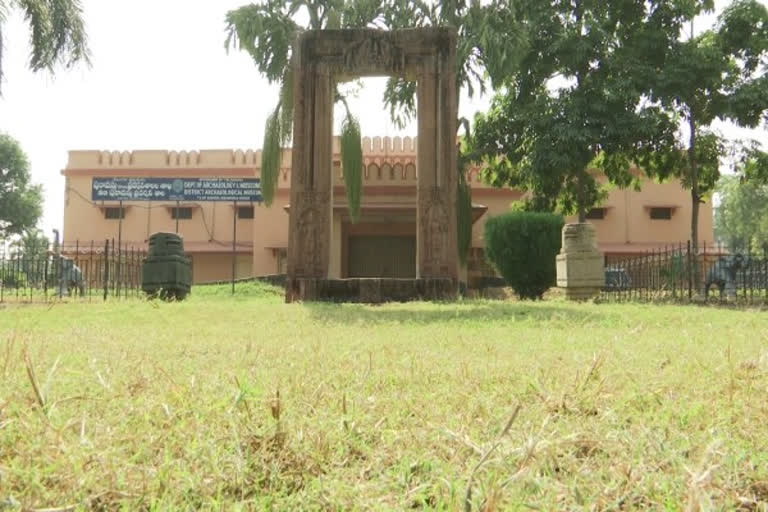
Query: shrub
(523, 247)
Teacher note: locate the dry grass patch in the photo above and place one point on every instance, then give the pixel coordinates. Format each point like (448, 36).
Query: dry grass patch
(221, 403)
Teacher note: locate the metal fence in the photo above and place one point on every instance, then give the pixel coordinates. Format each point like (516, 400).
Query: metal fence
(89, 271)
(681, 274)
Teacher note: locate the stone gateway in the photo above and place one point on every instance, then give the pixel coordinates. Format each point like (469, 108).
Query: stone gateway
(322, 58)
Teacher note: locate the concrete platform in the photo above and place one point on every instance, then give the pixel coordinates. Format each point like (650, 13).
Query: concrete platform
(370, 290)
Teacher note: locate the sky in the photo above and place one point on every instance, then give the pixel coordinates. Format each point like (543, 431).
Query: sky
(160, 79)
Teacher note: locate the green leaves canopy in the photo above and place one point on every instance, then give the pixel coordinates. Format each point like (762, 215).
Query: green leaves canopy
(57, 32)
(267, 31)
(741, 220)
(21, 203)
(719, 74)
(490, 36)
(574, 102)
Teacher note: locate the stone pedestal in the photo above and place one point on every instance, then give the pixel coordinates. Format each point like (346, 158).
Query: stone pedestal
(580, 268)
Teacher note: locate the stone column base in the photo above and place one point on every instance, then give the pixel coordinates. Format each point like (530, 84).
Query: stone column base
(580, 267)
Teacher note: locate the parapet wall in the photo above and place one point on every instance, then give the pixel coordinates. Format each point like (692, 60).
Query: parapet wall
(160, 159)
(220, 158)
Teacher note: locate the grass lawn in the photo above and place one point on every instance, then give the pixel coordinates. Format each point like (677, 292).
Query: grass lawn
(248, 403)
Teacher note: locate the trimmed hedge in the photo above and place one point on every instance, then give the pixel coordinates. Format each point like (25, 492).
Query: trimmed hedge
(523, 247)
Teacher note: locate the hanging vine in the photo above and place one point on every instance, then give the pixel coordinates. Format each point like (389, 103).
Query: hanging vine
(463, 216)
(463, 200)
(271, 154)
(286, 106)
(352, 162)
(277, 133)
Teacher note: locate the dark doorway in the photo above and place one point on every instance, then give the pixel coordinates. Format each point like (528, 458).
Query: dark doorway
(382, 256)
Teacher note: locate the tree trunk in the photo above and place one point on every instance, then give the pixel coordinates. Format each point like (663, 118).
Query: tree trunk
(582, 200)
(581, 72)
(694, 203)
(694, 184)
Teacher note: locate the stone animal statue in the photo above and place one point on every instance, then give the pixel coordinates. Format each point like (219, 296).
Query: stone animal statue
(724, 272)
(70, 276)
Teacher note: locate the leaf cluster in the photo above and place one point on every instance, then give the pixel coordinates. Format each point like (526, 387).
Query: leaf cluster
(490, 35)
(57, 32)
(574, 104)
(523, 246)
(741, 220)
(21, 202)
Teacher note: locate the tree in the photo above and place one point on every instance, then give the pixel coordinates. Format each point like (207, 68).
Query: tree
(574, 103)
(490, 37)
(21, 203)
(719, 74)
(57, 32)
(741, 220)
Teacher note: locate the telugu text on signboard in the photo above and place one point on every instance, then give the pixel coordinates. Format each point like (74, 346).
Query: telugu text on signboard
(176, 189)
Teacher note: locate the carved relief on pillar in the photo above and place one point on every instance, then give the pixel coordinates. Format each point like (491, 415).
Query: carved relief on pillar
(434, 231)
(374, 54)
(312, 235)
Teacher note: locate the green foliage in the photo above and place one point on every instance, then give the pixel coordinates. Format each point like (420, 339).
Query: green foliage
(352, 164)
(490, 37)
(32, 244)
(676, 271)
(523, 246)
(286, 106)
(573, 104)
(271, 157)
(21, 202)
(266, 31)
(11, 275)
(741, 220)
(754, 166)
(718, 74)
(464, 216)
(57, 32)
(463, 196)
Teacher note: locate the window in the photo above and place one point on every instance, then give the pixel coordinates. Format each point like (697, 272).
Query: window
(245, 212)
(661, 213)
(114, 213)
(183, 213)
(596, 214)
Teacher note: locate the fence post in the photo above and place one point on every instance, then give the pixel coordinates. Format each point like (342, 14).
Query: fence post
(90, 271)
(106, 268)
(16, 272)
(762, 278)
(690, 277)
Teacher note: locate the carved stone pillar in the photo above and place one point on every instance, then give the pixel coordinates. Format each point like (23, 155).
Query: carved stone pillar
(311, 172)
(437, 252)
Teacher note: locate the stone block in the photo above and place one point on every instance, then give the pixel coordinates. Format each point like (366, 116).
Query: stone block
(580, 265)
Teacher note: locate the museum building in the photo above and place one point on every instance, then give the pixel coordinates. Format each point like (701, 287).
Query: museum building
(381, 244)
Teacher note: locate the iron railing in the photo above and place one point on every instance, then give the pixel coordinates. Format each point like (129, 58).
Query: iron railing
(89, 271)
(681, 274)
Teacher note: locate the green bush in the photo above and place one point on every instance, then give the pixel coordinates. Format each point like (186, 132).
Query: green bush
(523, 247)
